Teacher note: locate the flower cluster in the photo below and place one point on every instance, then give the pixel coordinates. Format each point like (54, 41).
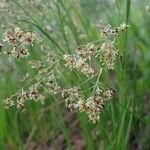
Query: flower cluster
(32, 93)
(50, 58)
(109, 54)
(71, 96)
(22, 96)
(8, 102)
(74, 98)
(110, 31)
(87, 51)
(106, 52)
(18, 42)
(79, 60)
(104, 56)
(93, 106)
(80, 64)
(52, 85)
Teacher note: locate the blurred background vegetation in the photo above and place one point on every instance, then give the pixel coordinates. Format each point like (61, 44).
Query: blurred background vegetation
(63, 25)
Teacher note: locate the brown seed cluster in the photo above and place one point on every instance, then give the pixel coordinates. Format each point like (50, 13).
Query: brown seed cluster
(87, 51)
(93, 106)
(22, 96)
(104, 54)
(18, 41)
(52, 85)
(74, 98)
(8, 102)
(109, 53)
(79, 64)
(79, 60)
(71, 96)
(107, 30)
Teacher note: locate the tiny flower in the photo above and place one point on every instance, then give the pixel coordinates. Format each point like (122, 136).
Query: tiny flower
(21, 99)
(8, 102)
(50, 57)
(79, 64)
(83, 106)
(23, 53)
(33, 93)
(29, 37)
(123, 27)
(53, 87)
(108, 94)
(91, 47)
(87, 51)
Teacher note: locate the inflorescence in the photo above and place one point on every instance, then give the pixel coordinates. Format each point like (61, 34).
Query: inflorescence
(18, 42)
(104, 53)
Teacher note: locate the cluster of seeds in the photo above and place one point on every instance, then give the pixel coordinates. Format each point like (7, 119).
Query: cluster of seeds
(22, 96)
(87, 51)
(74, 98)
(32, 93)
(106, 52)
(107, 30)
(79, 60)
(52, 85)
(18, 40)
(71, 96)
(79, 64)
(109, 54)
(105, 55)
(93, 106)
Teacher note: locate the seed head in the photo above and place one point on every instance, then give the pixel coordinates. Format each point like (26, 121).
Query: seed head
(109, 54)
(8, 102)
